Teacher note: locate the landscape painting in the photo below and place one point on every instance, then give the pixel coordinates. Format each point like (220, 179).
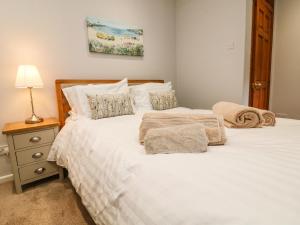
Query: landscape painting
(111, 38)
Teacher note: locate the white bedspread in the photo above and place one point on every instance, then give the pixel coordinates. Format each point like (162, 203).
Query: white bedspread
(253, 180)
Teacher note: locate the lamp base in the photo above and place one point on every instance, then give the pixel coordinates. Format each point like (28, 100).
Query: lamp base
(34, 119)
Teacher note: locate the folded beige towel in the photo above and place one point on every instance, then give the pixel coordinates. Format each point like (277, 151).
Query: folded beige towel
(177, 139)
(238, 116)
(214, 124)
(269, 118)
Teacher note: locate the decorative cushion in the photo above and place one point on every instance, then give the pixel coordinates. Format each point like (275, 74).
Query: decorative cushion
(110, 105)
(141, 92)
(163, 100)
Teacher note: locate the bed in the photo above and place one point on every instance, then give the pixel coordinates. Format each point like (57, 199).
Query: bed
(252, 180)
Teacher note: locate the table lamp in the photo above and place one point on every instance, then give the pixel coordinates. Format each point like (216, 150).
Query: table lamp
(28, 77)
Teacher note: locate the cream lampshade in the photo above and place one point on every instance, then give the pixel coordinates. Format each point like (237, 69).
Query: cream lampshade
(29, 77)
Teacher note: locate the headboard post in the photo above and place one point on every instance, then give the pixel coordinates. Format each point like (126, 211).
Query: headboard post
(62, 103)
(60, 96)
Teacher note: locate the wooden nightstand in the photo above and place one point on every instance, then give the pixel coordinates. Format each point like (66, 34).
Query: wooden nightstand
(29, 145)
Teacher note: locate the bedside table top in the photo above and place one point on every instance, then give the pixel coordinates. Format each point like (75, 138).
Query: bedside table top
(10, 128)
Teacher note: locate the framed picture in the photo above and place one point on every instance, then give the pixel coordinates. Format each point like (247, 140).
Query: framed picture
(112, 38)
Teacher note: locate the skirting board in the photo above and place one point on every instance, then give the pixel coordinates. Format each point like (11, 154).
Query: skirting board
(6, 178)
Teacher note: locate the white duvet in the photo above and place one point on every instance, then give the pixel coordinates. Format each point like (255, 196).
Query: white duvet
(253, 180)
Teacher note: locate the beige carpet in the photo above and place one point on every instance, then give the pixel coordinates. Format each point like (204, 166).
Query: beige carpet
(49, 203)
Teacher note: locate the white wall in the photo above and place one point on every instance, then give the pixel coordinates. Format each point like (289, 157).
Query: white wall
(285, 91)
(247, 54)
(212, 51)
(52, 35)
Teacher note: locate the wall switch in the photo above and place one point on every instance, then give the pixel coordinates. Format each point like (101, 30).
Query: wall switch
(4, 150)
(231, 45)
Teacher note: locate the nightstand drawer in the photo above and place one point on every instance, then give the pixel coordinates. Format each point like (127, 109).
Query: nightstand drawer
(32, 155)
(36, 170)
(33, 138)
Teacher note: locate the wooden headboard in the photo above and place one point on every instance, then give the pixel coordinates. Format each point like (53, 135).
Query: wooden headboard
(62, 103)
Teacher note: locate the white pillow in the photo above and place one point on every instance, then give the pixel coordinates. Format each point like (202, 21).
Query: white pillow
(141, 93)
(77, 95)
(70, 95)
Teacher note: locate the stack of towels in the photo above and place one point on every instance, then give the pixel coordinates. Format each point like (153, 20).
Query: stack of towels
(240, 116)
(191, 133)
(181, 133)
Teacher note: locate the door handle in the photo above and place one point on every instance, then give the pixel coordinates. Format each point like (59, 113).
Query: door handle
(257, 85)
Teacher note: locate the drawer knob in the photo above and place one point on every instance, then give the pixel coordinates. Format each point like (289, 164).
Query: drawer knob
(35, 139)
(40, 170)
(37, 155)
